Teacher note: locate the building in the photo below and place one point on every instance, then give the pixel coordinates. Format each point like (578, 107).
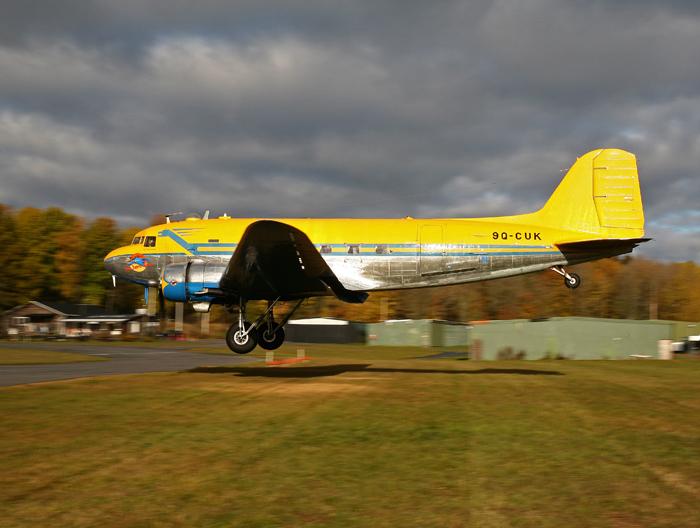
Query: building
(324, 330)
(105, 325)
(419, 332)
(45, 319)
(574, 338)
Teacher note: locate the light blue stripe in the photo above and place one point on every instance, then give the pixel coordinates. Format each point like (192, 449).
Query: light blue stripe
(465, 246)
(207, 247)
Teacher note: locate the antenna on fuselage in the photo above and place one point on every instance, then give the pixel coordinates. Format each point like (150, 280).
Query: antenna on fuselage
(168, 215)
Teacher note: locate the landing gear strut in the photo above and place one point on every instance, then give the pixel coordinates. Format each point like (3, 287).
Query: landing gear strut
(571, 280)
(270, 334)
(243, 336)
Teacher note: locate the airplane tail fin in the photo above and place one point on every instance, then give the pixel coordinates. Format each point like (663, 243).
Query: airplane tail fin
(599, 195)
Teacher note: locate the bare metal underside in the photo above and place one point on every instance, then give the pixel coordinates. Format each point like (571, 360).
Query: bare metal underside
(372, 273)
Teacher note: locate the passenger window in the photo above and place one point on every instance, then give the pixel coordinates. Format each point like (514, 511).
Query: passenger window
(353, 249)
(326, 249)
(150, 241)
(382, 249)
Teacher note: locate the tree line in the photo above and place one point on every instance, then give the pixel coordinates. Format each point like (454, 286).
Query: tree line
(53, 255)
(49, 254)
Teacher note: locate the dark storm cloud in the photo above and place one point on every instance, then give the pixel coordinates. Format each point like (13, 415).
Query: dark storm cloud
(320, 108)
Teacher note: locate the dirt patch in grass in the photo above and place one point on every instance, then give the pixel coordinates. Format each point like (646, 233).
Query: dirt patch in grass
(295, 388)
(319, 387)
(675, 480)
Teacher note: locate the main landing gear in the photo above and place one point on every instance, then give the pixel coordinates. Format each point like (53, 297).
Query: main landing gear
(243, 336)
(571, 280)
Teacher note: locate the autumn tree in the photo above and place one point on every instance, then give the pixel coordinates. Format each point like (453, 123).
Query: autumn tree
(50, 254)
(100, 238)
(69, 265)
(10, 285)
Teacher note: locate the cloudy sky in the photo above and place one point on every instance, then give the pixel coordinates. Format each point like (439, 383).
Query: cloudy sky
(128, 108)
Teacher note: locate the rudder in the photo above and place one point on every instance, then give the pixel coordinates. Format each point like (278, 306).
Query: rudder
(616, 193)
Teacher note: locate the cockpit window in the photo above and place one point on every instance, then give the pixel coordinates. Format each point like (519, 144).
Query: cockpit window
(137, 241)
(150, 241)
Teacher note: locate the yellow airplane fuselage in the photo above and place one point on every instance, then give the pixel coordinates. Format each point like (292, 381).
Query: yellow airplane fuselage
(598, 200)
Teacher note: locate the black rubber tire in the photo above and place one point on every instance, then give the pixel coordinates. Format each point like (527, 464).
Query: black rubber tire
(241, 346)
(273, 342)
(573, 281)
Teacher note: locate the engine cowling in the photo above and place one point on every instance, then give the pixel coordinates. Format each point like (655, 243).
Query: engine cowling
(189, 282)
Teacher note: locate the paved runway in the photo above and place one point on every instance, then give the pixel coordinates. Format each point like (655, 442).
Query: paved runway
(121, 360)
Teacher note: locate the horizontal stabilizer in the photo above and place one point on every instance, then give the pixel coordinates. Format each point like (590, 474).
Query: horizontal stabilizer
(604, 247)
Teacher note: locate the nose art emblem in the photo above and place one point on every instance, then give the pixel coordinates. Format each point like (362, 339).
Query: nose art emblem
(138, 263)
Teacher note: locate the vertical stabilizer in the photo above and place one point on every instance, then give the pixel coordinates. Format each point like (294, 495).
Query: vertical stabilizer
(599, 195)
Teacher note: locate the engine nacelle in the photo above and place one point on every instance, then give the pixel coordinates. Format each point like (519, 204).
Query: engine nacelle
(190, 281)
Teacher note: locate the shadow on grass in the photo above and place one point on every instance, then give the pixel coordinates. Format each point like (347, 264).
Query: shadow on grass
(334, 370)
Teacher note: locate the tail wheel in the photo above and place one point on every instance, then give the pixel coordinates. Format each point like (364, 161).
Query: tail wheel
(271, 340)
(241, 342)
(573, 281)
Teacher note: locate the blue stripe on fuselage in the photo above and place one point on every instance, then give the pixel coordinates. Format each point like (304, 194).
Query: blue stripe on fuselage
(208, 248)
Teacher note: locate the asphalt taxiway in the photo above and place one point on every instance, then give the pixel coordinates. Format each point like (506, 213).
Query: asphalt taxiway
(121, 360)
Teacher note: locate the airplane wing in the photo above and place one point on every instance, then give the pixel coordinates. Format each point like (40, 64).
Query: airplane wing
(274, 259)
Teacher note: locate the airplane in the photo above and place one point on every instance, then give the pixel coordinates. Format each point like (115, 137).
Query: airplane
(595, 212)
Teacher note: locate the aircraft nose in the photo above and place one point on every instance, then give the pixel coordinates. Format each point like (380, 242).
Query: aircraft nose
(113, 261)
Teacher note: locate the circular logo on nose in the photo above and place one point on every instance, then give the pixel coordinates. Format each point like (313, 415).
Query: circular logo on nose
(138, 263)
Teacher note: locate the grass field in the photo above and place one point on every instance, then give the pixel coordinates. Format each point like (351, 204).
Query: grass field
(26, 356)
(368, 440)
(330, 352)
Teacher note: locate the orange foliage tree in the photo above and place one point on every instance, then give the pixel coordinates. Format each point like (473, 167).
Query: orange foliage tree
(53, 255)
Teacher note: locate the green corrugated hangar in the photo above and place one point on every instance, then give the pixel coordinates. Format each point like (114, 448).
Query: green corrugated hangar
(574, 338)
(418, 332)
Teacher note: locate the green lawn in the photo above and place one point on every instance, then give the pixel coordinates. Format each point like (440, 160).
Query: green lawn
(26, 356)
(355, 441)
(325, 351)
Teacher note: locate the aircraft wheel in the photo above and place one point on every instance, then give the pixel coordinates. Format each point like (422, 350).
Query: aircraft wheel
(573, 281)
(271, 340)
(238, 342)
